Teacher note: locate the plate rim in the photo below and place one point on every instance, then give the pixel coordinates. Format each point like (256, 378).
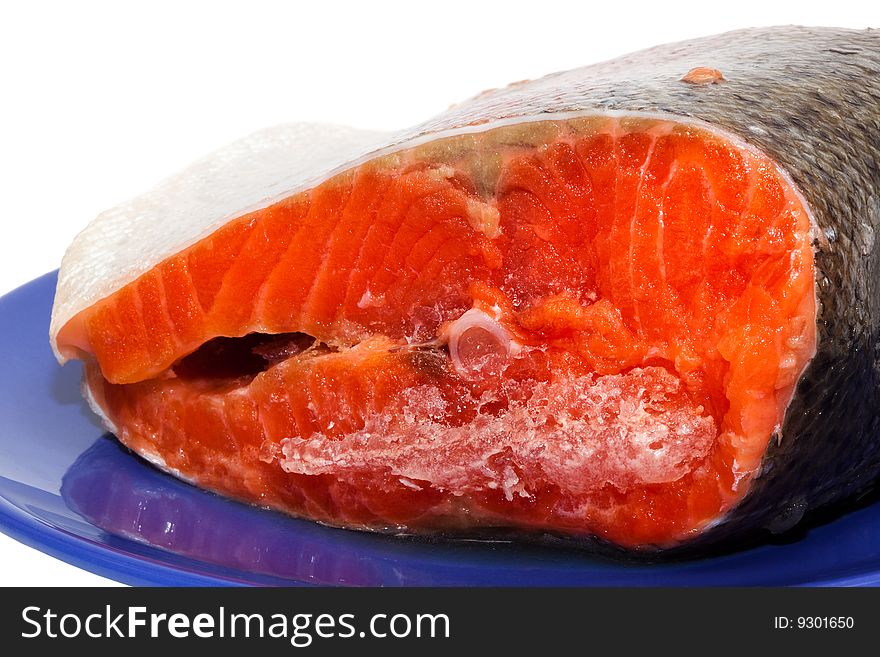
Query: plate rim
(124, 567)
(135, 569)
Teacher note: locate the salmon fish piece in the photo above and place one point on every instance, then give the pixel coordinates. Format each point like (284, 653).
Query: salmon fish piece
(633, 304)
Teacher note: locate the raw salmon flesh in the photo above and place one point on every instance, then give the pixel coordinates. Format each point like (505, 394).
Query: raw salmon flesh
(633, 304)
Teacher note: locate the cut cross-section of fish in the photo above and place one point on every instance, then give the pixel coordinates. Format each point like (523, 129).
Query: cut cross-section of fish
(593, 308)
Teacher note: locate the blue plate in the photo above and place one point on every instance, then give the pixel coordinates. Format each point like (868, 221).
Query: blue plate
(73, 492)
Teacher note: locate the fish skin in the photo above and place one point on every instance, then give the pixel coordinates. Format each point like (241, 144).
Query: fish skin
(809, 98)
(128, 240)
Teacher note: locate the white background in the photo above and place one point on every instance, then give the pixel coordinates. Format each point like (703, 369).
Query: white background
(99, 100)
